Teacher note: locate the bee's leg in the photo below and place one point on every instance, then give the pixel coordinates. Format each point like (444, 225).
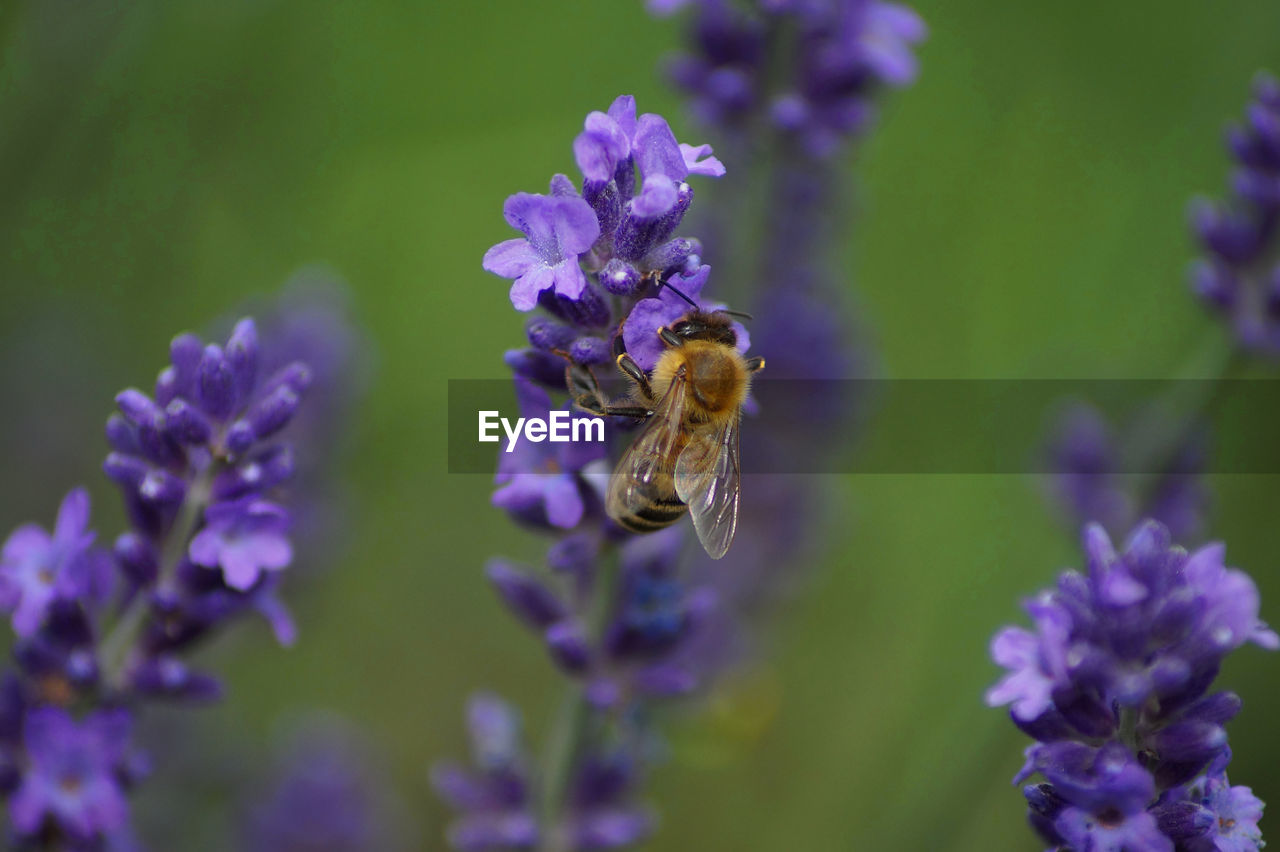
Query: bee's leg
(755, 365)
(585, 390)
(669, 337)
(639, 412)
(632, 370)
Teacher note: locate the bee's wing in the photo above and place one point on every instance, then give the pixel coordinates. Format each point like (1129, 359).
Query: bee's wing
(651, 456)
(709, 479)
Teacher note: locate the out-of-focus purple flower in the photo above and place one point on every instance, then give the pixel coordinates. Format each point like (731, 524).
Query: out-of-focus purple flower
(73, 774)
(1239, 276)
(640, 651)
(1124, 655)
(834, 55)
(244, 538)
(36, 567)
(557, 231)
(494, 798)
(1086, 480)
(601, 812)
(326, 794)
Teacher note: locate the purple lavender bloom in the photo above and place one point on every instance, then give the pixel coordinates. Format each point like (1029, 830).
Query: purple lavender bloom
(557, 231)
(611, 140)
(199, 462)
(244, 538)
(1239, 277)
(494, 798)
(1124, 656)
(72, 780)
(36, 568)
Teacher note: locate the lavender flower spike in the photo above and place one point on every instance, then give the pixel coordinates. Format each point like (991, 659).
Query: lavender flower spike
(102, 633)
(1239, 276)
(1113, 683)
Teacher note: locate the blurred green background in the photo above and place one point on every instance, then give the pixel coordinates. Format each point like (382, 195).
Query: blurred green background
(1021, 214)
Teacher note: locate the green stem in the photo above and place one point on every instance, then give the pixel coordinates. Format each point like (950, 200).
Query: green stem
(570, 727)
(1172, 420)
(124, 634)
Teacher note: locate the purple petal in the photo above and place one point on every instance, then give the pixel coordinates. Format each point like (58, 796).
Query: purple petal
(657, 196)
(530, 214)
(623, 111)
(600, 147)
(576, 226)
(568, 277)
(640, 333)
(525, 290)
(510, 258)
(709, 166)
(73, 516)
(563, 501)
(25, 542)
(656, 150)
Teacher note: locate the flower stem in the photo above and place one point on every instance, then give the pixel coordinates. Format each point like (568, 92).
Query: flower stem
(124, 634)
(570, 726)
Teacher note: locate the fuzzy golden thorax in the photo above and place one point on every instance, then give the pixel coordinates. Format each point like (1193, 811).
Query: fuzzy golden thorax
(717, 375)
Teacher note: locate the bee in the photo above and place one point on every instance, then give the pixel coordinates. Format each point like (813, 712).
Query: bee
(685, 458)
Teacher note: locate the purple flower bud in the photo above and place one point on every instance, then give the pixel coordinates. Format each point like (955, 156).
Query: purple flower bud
(185, 352)
(149, 422)
(122, 436)
(242, 356)
(547, 334)
(273, 412)
(672, 255)
(126, 471)
(589, 310)
(540, 367)
(240, 437)
(531, 601)
(1183, 821)
(568, 644)
(620, 277)
(187, 423)
(256, 474)
(1189, 742)
(217, 390)
(136, 557)
(161, 487)
(591, 350)
(169, 677)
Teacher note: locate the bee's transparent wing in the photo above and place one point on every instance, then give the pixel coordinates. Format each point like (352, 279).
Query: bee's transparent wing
(709, 479)
(651, 457)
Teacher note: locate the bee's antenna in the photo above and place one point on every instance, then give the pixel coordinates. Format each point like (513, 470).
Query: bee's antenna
(662, 282)
(739, 314)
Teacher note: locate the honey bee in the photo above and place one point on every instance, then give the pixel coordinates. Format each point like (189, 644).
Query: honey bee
(685, 458)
